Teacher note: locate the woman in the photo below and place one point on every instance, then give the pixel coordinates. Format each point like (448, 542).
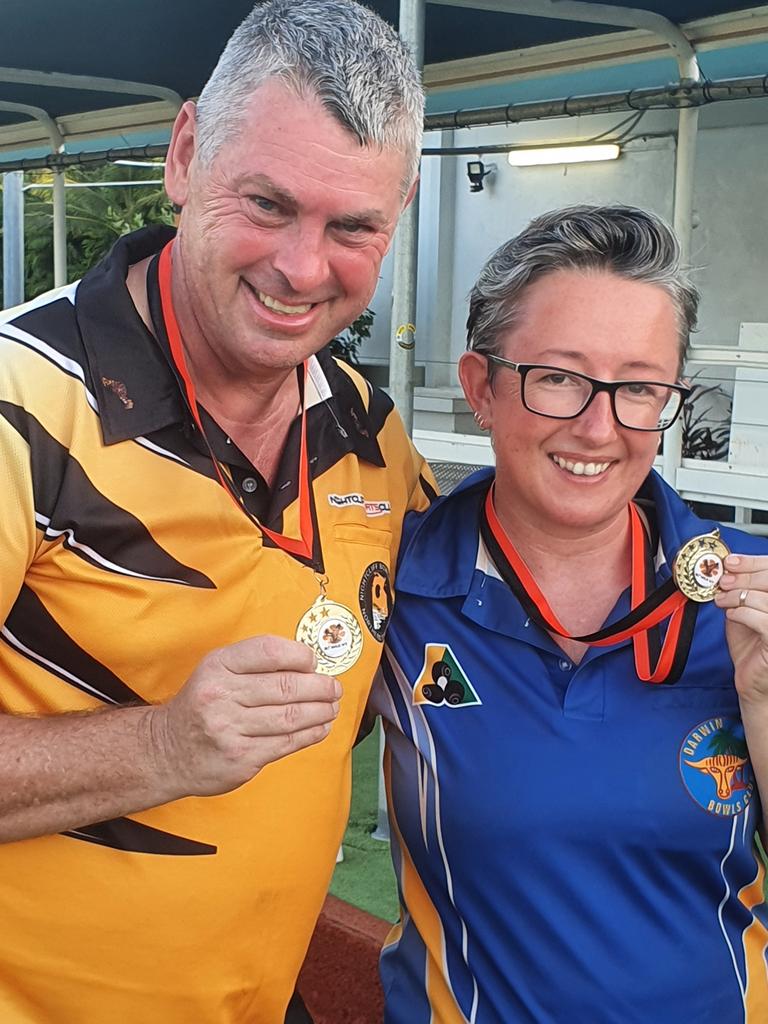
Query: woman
(576, 736)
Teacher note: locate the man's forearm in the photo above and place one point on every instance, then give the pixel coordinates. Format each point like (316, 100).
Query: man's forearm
(244, 706)
(63, 771)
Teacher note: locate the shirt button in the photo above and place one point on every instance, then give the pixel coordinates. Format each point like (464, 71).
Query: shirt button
(564, 665)
(249, 485)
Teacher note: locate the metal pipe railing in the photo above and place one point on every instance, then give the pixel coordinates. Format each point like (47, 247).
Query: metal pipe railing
(670, 97)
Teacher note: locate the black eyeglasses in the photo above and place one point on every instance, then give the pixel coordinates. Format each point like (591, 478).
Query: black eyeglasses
(564, 394)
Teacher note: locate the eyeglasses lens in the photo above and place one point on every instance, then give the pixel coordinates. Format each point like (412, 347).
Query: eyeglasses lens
(639, 405)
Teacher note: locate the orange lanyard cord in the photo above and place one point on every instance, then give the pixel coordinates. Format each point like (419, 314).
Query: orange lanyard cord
(646, 611)
(301, 546)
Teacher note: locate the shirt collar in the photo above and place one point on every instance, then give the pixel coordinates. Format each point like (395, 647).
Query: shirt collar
(136, 388)
(443, 552)
(356, 430)
(448, 518)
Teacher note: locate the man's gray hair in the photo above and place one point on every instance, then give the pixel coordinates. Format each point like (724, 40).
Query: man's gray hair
(629, 242)
(337, 50)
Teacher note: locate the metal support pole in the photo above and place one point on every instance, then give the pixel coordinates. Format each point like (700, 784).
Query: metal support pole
(685, 167)
(438, 221)
(402, 344)
(401, 350)
(13, 238)
(382, 819)
(59, 230)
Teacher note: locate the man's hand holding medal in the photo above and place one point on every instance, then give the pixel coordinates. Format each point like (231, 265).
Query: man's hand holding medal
(245, 706)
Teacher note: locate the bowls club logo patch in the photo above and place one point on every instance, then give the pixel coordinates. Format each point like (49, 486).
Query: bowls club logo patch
(442, 680)
(715, 768)
(375, 596)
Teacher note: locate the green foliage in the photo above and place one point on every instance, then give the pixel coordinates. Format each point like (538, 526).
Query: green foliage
(345, 346)
(96, 217)
(701, 439)
(725, 741)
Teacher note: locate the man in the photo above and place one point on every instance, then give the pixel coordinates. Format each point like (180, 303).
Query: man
(196, 501)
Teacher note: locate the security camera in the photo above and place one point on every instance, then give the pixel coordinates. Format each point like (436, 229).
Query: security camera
(477, 171)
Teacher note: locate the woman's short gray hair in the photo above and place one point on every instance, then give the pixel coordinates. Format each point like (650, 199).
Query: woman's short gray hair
(337, 50)
(622, 239)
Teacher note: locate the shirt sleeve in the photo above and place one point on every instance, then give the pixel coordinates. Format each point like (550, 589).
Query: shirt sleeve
(425, 488)
(18, 532)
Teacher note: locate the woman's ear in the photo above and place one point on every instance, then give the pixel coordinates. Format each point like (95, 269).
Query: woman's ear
(473, 374)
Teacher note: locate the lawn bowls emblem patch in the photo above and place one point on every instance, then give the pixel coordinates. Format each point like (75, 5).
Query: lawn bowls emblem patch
(333, 633)
(714, 765)
(375, 596)
(442, 681)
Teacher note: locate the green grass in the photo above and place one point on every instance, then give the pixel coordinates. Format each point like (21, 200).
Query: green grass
(365, 877)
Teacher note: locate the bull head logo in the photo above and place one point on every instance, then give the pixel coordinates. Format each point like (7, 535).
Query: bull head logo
(722, 768)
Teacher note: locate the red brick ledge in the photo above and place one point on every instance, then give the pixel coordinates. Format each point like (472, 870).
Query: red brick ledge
(339, 981)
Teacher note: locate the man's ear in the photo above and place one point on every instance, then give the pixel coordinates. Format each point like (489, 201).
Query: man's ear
(473, 374)
(181, 154)
(411, 192)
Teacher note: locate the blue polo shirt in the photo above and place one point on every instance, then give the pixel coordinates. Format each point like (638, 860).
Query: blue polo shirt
(571, 844)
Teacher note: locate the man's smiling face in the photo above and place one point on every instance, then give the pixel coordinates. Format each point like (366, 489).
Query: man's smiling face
(282, 235)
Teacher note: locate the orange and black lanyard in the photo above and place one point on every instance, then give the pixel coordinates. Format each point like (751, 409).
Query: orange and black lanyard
(654, 662)
(301, 547)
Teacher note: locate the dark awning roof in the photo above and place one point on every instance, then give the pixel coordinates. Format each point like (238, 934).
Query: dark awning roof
(173, 45)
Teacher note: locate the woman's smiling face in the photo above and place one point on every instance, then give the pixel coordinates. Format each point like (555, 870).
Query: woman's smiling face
(573, 476)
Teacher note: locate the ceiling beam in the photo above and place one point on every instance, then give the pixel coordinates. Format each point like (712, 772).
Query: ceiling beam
(598, 14)
(60, 80)
(41, 116)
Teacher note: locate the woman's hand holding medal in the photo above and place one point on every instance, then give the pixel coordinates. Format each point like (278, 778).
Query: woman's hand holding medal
(243, 707)
(743, 595)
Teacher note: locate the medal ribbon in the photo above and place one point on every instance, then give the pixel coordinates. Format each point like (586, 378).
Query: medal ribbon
(647, 609)
(303, 545)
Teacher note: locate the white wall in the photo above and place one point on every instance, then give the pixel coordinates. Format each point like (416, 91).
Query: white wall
(459, 230)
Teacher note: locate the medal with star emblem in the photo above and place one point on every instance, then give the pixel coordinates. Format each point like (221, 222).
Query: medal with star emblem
(698, 566)
(333, 633)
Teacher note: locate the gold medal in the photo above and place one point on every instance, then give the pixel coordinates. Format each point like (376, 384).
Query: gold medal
(698, 566)
(333, 633)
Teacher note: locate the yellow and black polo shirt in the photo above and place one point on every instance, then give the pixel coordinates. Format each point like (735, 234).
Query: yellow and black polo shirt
(123, 561)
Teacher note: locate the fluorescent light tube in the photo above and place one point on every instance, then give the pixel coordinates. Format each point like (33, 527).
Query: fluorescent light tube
(563, 154)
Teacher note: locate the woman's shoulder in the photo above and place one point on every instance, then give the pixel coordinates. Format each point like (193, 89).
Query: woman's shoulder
(437, 543)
